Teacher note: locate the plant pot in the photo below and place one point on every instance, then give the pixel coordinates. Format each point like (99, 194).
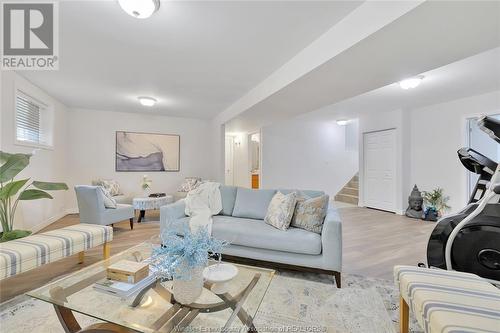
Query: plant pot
(431, 214)
(188, 288)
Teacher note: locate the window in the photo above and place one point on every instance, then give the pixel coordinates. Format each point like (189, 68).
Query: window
(33, 125)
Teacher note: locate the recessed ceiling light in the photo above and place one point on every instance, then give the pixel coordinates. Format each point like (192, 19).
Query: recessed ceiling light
(147, 101)
(411, 83)
(140, 8)
(342, 122)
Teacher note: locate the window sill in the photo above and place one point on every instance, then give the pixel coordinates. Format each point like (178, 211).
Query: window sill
(33, 145)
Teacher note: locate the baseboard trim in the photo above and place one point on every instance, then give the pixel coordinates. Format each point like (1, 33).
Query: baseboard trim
(52, 219)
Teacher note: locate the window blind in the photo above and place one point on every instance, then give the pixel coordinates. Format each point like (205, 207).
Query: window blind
(28, 120)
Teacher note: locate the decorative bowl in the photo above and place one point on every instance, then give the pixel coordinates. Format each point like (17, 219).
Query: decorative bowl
(219, 275)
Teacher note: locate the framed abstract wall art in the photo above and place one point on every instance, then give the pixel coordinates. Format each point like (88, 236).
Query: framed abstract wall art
(147, 152)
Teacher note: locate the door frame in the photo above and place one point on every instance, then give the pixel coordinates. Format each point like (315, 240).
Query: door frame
(396, 170)
(467, 139)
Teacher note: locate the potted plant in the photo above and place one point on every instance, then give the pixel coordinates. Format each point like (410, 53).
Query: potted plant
(436, 204)
(12, 192)
(183, 258)
(146, 185)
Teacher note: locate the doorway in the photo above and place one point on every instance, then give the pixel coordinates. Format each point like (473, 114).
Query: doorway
(482, 143)
(229, 161)
(379, 161)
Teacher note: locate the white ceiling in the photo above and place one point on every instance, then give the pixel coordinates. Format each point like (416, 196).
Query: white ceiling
(432, 35)
(196, 58)
(468, 77)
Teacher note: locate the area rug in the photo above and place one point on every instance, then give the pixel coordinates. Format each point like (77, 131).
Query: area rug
(294, 302)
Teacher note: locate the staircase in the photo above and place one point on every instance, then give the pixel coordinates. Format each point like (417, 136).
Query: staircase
(350, 192)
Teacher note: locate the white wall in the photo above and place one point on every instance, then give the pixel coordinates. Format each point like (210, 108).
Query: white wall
(438, 131)
(309, 152)
(91, 148)
(46, 164)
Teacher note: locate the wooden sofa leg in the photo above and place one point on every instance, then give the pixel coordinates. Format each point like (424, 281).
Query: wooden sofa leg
(131, 223)
(81, 257)
(106, 250)
(404, 315)
(338, 280)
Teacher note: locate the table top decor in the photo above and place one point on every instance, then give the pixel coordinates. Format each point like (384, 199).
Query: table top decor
(183, 259)
(179, 254)
(219, 274)
(146, 184)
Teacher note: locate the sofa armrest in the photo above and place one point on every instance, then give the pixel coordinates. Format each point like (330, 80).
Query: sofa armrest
(331, 240)
(170, 213)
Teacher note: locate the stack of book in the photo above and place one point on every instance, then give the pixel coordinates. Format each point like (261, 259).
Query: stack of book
(125, 278)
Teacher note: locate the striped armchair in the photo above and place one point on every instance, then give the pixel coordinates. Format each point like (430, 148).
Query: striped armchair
(447, 301)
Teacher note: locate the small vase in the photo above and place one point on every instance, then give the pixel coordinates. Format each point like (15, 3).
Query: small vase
(146, 192)
(189, 288)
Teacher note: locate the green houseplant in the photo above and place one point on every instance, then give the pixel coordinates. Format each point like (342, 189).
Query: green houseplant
(13, 191)
(436, 203)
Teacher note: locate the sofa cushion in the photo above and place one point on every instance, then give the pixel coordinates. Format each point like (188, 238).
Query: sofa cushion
(303, 193)
(120, 213)
(228, 195)
(252, 204)
(107, 198)
(280, 211)
(109, 184)
(189, 183)
(258, 234)
(178, 225)
(310, 213)
(123, 199)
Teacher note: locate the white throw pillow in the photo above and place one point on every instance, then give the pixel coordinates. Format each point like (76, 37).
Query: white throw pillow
(111, 186)
(280, 210)
(190, 183)
(109, 201)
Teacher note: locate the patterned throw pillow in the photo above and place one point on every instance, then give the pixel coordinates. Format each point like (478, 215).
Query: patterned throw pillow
(310, 213)
(190, 183)
(111, 186)
(109, 201)
(280, 210)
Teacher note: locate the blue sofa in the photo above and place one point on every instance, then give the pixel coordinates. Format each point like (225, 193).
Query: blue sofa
(241, 224)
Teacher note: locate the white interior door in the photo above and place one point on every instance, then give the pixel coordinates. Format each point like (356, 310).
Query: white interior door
(229, 161)
(379, 155)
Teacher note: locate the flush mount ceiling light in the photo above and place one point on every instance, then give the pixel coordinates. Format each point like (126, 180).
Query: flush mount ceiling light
(411, 83)
(342, 122)
(140, 8)
(147, 101)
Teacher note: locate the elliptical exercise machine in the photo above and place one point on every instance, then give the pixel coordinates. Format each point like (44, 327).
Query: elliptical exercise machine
(469, 241)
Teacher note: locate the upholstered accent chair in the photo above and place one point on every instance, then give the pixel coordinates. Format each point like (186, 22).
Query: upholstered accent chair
(92, 209)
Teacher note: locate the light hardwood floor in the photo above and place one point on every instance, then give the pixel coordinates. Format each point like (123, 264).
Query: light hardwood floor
(373, 242)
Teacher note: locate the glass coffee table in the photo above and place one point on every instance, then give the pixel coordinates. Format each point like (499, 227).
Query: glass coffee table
(155, 309)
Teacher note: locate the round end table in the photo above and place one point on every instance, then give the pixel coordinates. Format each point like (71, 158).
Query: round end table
(150, 203)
